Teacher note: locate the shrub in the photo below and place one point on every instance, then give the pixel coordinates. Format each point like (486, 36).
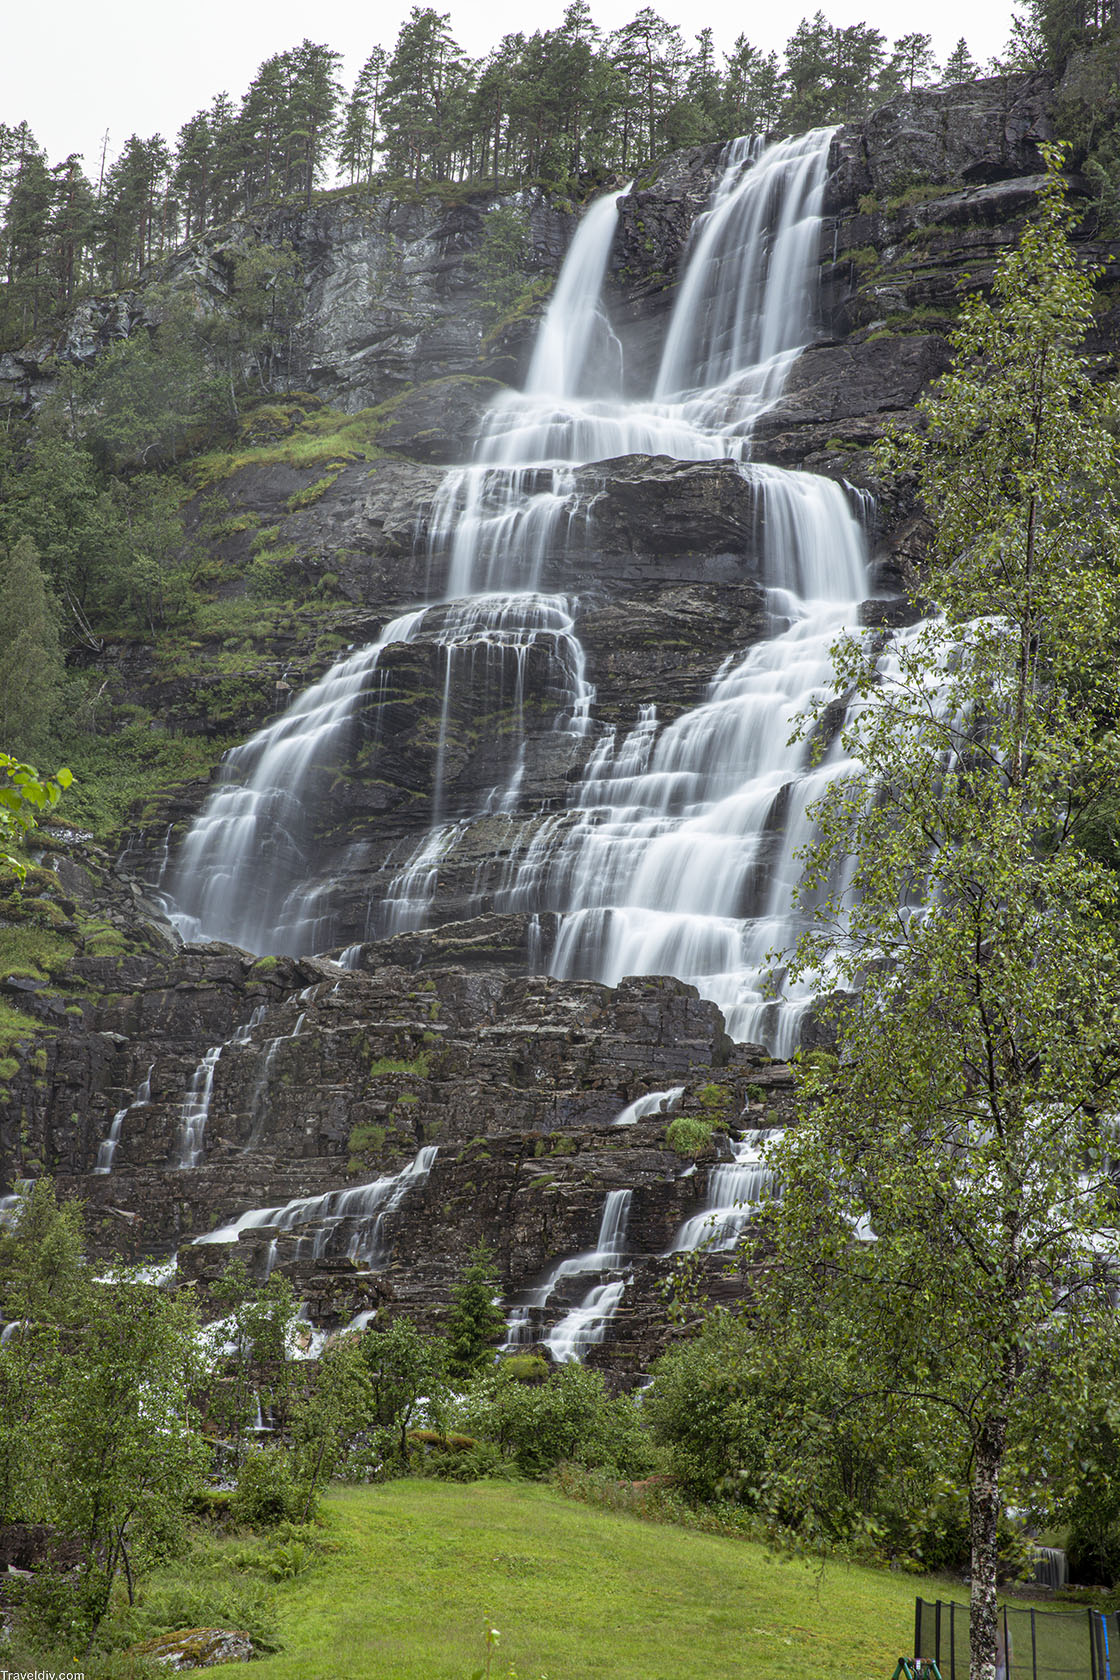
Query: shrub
(938, 1536)
(687, 1135)
(453, 1457)
(218, 1596)
(267, 1492)
(703, 1406)
(526, 1367)
(570, 1417)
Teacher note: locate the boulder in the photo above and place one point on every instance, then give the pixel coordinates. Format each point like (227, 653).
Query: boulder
(196, 1648)
(652, 504)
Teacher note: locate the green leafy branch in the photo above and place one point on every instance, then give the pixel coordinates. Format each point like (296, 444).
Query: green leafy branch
(24, 796)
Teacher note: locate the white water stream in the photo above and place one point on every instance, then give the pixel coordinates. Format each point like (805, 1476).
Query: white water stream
(735, 1190)
(355, 1214)
(584, 1324)
(108, 1147)
(678, 852)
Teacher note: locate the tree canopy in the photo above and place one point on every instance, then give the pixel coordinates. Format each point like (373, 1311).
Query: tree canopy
(568, 106)
(948, 1207)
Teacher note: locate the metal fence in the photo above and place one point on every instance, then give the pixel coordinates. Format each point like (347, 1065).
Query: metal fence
(1033, 1645)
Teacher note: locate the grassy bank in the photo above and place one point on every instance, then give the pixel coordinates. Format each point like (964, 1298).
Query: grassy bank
(419, 1569)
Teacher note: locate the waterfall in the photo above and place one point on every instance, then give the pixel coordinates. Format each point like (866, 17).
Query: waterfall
(195, 1110)
(654, 1102)
(678, 851)
(356, 1213)
(734, 1190)
(745, 302)
(242, 871)
(108, 1147)
(584, 1324)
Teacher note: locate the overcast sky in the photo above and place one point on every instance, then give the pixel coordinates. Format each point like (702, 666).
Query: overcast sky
(74, 70)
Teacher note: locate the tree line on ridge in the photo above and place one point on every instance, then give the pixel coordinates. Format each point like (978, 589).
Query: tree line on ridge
(566, 107)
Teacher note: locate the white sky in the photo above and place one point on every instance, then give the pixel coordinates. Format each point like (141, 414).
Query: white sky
(73, 69)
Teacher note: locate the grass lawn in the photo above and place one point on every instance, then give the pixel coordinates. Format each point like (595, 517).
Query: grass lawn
(423, 1567)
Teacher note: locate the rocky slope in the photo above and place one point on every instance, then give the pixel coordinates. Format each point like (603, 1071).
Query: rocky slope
(329, 1078)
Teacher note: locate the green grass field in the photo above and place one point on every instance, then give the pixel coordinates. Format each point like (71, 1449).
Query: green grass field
(421, 1569)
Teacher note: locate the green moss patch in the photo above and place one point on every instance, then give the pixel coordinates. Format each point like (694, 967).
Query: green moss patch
(688, 1135)
(16, 1030)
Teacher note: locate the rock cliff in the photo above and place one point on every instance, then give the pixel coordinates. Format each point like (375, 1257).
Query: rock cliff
(300, 1083)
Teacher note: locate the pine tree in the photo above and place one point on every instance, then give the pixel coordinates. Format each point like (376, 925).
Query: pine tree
(25, 234)
(313, 115)
(425, 74)
(361, 123)
(960, 66)
(476, 1321)
(754, 89)
(913, 59)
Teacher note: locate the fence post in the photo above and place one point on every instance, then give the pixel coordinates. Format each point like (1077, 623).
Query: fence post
(1100, 1628)
(1008, 1658)
(952, 1640)
(1034, 1649)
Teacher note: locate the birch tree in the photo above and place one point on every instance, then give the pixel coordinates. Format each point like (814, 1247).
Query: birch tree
(948, 1200)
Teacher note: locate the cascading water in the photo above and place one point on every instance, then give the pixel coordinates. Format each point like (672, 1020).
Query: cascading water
(735, 1189)
(586, 1323)
(356, 1213)
(243, 868)
(195, 1110)
(678, 852)
(654, 1102)
(108, 1147)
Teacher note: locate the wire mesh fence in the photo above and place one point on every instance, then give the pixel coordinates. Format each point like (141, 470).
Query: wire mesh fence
(1032, 1644)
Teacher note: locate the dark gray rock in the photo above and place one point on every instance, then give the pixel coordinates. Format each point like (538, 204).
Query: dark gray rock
(392, 298)
(974, 131)
(654, 505)
(880, 376)
(439, 421)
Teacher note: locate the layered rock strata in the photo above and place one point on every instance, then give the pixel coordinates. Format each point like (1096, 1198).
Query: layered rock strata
(329, 1078)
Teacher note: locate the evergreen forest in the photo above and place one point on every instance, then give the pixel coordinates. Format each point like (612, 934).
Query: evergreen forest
(569, 108)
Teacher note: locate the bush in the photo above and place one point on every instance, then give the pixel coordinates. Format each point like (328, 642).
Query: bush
(1093, 1555)
(704, 1408)
(525, 1367)
(568, 1418)
(453, 1457)
(213, 1600)
(938, 1537)
(267, 1492)
(687, 1135)
(55, 1611)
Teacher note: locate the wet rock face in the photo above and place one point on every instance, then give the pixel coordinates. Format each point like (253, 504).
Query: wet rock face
(451, 1039)
(331, 1080)
(655, 224)
(988, 130)
(392, 297)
